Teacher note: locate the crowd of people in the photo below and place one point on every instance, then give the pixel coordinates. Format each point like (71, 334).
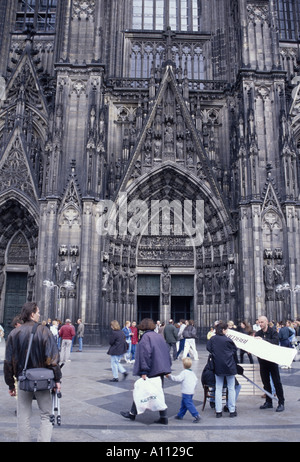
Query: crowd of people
(151, 348)
(224, 365)
(180, 338)
(65, 334)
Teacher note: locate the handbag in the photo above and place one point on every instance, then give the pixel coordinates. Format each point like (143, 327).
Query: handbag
(148, 394)
(38, 378)
(210, 363)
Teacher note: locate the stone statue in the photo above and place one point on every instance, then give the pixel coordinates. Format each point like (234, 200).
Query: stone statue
(269, 277)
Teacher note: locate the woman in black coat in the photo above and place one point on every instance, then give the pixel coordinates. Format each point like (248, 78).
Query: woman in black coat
(224, 353)
(118, 346)
(152, 359)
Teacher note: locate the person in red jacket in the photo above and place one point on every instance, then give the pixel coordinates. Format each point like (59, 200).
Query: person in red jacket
(134, 339)
(66, 332)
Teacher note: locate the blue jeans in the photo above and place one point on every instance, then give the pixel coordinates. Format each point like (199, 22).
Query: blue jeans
(187, 405)
(128, 353)
(231, 392)
(133, 348)
(80, 342)
(181, 346)
(116, 367)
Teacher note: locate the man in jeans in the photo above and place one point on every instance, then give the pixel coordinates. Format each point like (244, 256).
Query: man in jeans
(44, 353)
(80, 334)
(66, 332)
(171, 337)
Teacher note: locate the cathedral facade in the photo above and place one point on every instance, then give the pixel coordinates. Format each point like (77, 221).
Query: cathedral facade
(149, 160)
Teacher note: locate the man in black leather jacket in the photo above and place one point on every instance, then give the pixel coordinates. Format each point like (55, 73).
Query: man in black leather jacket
(44, 353)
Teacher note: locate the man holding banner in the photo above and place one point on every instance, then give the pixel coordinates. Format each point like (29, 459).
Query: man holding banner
(269, 355)
(267, 368)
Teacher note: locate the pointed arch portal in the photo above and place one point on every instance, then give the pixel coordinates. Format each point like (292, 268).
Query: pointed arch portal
(168, 251)
(18, 248)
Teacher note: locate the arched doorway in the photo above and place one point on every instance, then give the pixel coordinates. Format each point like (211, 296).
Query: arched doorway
(18, 249)
(171, 259)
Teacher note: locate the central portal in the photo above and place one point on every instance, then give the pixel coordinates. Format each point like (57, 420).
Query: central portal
(148, 307)
(177, 258)
(151, 302)
(181, 308)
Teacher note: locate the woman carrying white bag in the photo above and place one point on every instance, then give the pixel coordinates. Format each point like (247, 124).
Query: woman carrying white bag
(152, 360)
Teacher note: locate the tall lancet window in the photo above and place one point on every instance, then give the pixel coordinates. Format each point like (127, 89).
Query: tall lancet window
(288, 13)
(180, 15)
(41, 14)
(173, 18)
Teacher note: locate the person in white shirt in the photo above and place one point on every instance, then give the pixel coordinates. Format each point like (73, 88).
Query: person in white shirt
(256, 326)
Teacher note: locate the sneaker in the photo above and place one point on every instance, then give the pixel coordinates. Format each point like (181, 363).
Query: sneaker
(197, 419)
(218, 415)
(233, 414)
(177, 417)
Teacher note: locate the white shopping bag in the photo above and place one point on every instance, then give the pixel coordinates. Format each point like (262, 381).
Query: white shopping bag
(148, 394)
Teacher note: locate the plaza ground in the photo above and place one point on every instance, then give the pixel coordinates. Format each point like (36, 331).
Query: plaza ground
(91, 405)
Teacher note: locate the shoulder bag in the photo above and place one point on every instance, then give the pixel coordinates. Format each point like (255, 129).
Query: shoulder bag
(38, 378)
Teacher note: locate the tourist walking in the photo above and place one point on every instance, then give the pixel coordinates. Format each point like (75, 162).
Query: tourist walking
(134, 340)
(128, 334)
(66, 333)
(152, 359)
(80, 334)
(190, 335)
(44, 353)
(188, 380)
(118, 347)
(182, 326)
(54, 329)
(171, 337)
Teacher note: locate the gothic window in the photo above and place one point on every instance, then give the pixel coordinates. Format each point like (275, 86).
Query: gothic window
(39, 13)
(180, 15)
(146, 55)
(288, 16)
(161, 15)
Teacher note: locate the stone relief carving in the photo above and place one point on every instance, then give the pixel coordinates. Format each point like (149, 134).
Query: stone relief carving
(14, 172)
(258, 13)
(84, 9)
(274, 272)
(166, 285)
(67, 270)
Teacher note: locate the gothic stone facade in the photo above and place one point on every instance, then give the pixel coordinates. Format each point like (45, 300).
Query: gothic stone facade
(101, 122)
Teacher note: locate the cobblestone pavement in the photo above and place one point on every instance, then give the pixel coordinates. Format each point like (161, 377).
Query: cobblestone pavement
(91, 405)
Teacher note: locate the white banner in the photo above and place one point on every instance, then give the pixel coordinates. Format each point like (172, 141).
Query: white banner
(262, 349)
